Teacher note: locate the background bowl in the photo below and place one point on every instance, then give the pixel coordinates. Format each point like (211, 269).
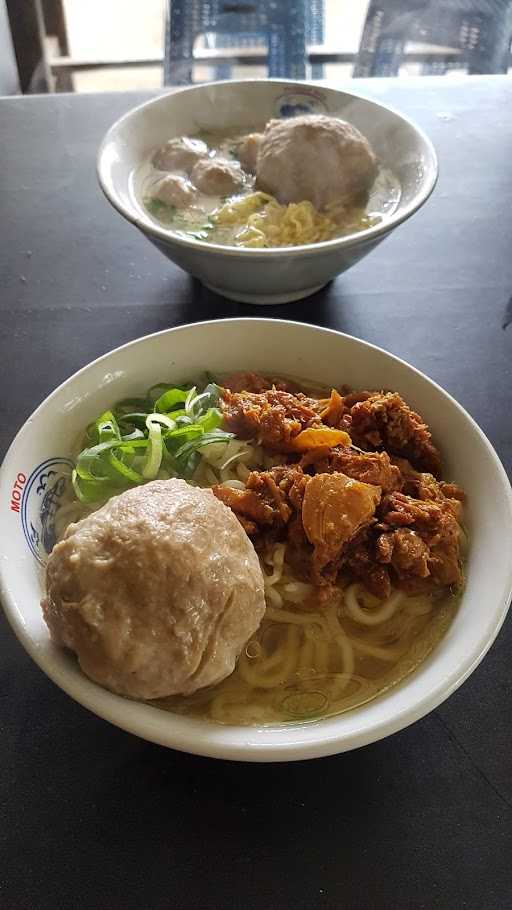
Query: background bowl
(37, 459)
(252, 275)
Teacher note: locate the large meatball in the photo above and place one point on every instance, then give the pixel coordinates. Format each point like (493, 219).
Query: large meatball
(217, 177)
(316, 158)
(156, 592)
(180, 154)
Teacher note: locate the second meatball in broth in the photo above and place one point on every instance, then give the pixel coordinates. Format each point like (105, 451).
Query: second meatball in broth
(180, 154)
(216, 177)
(176, 191)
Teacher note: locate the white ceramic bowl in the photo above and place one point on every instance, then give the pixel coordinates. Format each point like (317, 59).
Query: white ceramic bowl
(252, 275)
(29, 490)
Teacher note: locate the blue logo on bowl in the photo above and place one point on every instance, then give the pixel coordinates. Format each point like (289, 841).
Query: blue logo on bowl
(42, 495)
(293, 103)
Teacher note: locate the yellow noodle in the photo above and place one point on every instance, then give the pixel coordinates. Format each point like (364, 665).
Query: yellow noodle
(288, 616)
(381, 653)
(264, 222)
(273, 596)
(374, 617)
(274, 670)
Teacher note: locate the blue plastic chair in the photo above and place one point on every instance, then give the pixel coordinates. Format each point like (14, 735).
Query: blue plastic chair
(481, 30)
(283, 27)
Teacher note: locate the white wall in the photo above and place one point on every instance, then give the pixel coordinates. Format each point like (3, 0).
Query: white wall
(8, 71)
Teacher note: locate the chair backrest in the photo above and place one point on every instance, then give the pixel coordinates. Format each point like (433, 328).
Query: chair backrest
(283, 27)
(480, 30)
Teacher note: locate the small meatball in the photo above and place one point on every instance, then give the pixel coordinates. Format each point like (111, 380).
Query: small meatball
(180, 154)
(157, 592)
(247, 151)
(175, 190)
(315, 158)
(217, 177)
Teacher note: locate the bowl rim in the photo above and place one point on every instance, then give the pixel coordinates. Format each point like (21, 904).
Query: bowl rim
(167, 237)
(253, 743)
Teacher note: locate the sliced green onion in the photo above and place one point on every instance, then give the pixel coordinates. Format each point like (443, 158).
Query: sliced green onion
(90, 490)
(192, 405)
(184, 421)
(127, 405)
(213, 391)
(211, 420)
(169, 399)
(190, 429)
(125, 472)
(162, 419)
(160, 435)
(134, 419)
(158, 389)
(129, 437)
(107, 427)
(92, 457)
(205, 439)
(155, 448)
(188, 401)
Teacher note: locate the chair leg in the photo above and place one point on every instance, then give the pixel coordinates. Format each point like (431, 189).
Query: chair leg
(380, 51)
(178, 68)
(385, 59)
(287, 41)
(222, 71)
(179, 44)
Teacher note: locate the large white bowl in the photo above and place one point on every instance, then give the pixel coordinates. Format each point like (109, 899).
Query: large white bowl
(43, 445)
(252, 275)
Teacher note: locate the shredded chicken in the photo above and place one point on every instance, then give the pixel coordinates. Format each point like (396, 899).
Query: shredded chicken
(334, 409)
(405, 550)
(424, 538)
(421, 485)
(384, 420)
(255, 382)
(270, 497)
(362, 566)
(368, 467)
(318, 516)
(272, 417)
(246, 503)
(378, 513)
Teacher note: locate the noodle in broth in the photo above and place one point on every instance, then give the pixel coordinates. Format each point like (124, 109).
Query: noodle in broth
(304, 664)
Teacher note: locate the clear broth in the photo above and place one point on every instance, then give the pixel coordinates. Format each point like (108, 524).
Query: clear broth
(384, 656)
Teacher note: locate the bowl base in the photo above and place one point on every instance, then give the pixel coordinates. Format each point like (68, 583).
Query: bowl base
(264, 299)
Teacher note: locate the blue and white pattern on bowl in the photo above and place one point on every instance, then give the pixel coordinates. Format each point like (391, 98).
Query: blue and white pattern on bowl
(293, 103)
(42, 495)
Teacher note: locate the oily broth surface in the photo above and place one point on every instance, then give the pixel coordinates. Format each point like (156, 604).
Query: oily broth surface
(195, 221)
(307, 664)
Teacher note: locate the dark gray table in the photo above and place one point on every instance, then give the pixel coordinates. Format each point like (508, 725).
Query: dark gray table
(94, 818)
